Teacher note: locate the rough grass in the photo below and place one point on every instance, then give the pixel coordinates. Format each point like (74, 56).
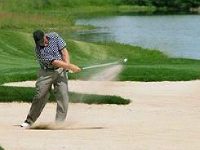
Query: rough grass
(22, 94)
(27, 21)
(58, 15)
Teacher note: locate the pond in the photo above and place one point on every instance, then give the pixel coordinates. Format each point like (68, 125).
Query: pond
(175, 35)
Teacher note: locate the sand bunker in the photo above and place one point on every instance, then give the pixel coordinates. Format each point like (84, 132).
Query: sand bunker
(162, 115)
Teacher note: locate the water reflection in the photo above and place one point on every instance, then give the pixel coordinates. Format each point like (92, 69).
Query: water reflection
(94, 35)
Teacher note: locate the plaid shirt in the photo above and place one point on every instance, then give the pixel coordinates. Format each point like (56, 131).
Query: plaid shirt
(46, 55)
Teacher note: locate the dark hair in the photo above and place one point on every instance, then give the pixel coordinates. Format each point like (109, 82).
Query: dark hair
(38, 36)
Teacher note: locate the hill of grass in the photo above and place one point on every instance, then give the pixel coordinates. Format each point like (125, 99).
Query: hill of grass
(17, 60)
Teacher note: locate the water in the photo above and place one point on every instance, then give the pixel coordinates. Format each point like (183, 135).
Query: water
(175, 35)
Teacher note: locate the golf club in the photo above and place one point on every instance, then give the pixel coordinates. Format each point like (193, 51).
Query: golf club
(106, 64)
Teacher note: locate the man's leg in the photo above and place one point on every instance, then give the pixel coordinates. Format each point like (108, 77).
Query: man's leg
(43, 87)
(61, 94)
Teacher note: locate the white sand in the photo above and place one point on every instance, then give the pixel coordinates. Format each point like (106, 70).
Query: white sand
(162, 116)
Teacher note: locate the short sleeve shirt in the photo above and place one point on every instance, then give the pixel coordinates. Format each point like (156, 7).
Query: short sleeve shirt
(46, 55)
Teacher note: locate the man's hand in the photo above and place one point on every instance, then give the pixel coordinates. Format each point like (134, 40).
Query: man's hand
(74, 68)
(67, 66)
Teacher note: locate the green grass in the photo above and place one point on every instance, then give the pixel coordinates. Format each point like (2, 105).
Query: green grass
(152, 65)
(17, 60)
(1, 148)
(160, 72)
(22, 94)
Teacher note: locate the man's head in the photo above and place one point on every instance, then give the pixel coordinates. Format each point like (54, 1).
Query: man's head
(40, 38)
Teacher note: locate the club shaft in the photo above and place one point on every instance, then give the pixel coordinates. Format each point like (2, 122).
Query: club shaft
(101, 65)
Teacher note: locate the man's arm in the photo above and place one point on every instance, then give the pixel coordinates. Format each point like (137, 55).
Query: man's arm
(65, 62)
(64, 65)
(65, 55)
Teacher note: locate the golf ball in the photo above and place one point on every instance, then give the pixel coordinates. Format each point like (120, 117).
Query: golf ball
(125, 59)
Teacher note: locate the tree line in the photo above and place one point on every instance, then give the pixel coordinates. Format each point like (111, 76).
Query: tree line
(173, 4)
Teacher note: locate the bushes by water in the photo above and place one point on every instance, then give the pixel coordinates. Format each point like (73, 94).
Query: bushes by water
(170, 4)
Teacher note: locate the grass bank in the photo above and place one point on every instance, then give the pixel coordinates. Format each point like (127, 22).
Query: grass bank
(18, 63)
(22, 94)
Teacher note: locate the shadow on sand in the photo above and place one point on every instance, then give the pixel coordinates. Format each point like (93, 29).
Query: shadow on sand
(55, 126)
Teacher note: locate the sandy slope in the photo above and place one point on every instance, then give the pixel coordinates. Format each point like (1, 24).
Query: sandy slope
(162, 116)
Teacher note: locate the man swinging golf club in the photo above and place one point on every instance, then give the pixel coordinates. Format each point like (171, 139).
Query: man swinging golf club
(54, 60)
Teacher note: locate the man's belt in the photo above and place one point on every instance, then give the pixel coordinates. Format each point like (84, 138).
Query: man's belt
(50, 69)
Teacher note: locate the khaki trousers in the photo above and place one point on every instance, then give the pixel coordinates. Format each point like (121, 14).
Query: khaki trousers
(47, 78)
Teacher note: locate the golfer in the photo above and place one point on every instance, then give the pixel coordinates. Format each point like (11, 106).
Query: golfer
(54, 61)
